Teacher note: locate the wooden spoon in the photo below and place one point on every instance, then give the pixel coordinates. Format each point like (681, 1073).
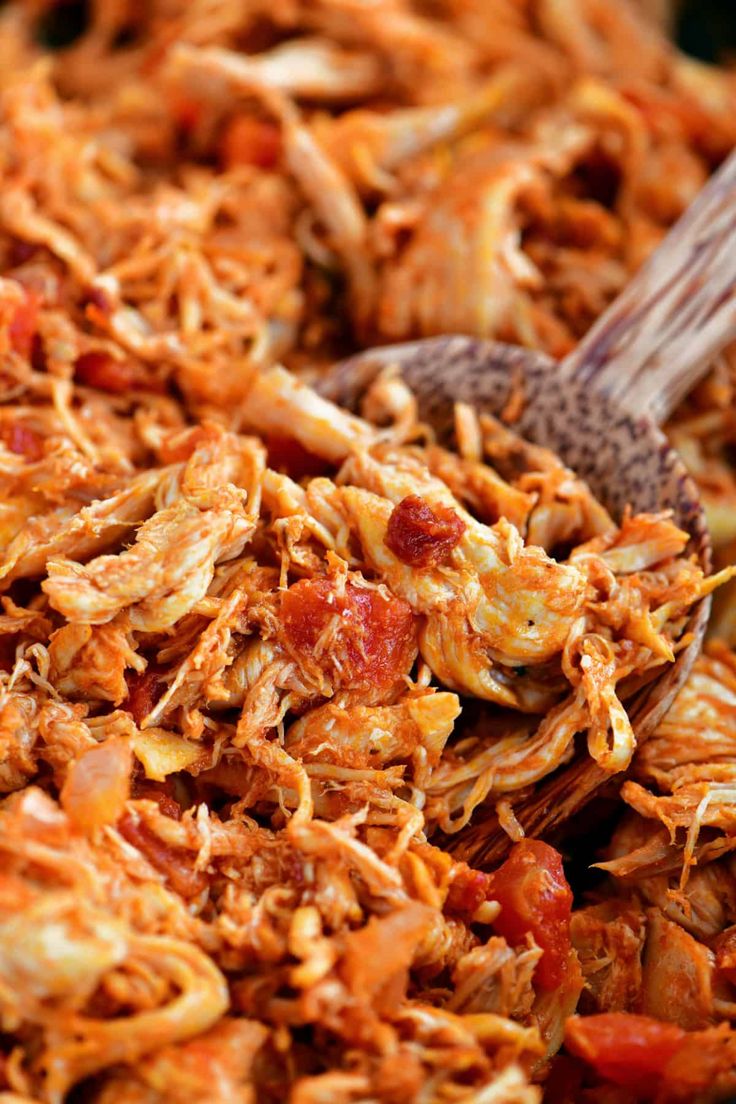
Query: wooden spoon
(599, 410)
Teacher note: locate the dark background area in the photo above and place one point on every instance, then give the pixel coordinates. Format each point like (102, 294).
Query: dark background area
(706, 29)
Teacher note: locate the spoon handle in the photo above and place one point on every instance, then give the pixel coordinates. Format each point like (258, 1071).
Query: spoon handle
(658, 337)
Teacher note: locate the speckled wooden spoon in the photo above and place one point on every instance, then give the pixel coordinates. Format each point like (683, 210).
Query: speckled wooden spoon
(599, 410)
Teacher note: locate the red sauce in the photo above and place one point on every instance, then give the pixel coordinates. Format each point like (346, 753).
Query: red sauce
(249, 141)
(22, 328)
(103, 371)
(468, 890)
(174, 863)
(422, 535)
(535, 898)
(358, 637)
(144, 690)
(631, 1051)
(22, 440)
(286, 454)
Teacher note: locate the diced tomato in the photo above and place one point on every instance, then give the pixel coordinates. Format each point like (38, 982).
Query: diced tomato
(422, 535)
(631, 1051)
(22, 440)
(249, 141)
(361, 636)
(144, 690)
(22, 328)
(105, 372)
(97, 785)
(286, 454)
(468, 890)
(535, 898)
(175, 863)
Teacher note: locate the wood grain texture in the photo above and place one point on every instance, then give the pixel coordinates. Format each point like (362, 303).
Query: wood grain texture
(659, 336)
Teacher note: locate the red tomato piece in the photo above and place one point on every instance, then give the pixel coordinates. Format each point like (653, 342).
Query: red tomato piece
(468, 890)
(422, 535)
(22, 328)
(286, 454)
(105, 372)
(144, 690)
(249, 141)
(23, 441)
(535, 899)
(631, 1051)
(360, 636)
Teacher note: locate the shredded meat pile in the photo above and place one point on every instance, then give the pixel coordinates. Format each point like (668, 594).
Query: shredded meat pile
(260, 658)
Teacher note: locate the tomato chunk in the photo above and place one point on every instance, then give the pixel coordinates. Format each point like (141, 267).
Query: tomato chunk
(144, 690)
(249, 141)
(468, 890)
(104, 372)
(23, 441)
(631, 1051)
(357, 634)
(422, 535)
(535, 898)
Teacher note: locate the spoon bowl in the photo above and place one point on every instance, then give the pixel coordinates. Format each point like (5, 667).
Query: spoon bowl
(599, 411)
